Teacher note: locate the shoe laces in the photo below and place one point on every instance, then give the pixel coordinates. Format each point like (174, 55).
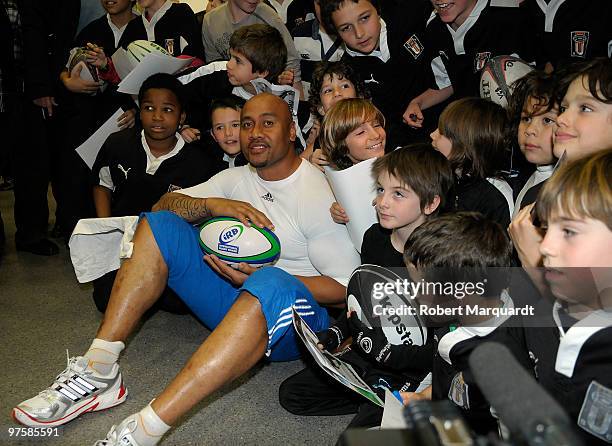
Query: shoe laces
(72, 367)
(116, 437)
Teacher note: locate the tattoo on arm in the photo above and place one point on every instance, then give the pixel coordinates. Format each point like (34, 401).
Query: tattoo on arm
(189, 208)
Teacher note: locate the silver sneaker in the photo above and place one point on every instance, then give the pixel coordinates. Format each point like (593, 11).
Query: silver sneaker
(77, 390)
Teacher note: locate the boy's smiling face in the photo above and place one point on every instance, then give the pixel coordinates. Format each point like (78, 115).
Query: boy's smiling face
(161, 115)
(453, 12)
(358, 24)
(366, 141)
(240, 70)
(584, 124)
(226, 129)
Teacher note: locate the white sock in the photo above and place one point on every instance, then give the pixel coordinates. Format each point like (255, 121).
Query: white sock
(150, 428)
(103, 355)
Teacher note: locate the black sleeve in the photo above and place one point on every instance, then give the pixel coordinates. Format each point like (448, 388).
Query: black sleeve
(193, 33)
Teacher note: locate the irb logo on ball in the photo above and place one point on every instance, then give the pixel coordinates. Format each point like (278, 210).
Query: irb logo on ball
(227, 236)
(234, 242)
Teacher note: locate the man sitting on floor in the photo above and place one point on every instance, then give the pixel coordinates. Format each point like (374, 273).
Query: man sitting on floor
(249, 310)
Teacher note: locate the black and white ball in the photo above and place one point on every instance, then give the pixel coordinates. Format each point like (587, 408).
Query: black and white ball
(498, 75)
(367, 297)
(79, 55)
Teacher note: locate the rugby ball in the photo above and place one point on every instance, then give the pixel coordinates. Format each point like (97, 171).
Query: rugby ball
(79, 55)
(139, 49)
(498, 77)
(234, 242)
(377, 305)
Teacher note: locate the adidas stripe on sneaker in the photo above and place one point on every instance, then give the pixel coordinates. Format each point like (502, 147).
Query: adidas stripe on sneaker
(76, 390)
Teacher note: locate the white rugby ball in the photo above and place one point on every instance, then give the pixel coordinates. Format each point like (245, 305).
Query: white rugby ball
(139, 49)
(498, 75)
(234, 242)
(366, 297)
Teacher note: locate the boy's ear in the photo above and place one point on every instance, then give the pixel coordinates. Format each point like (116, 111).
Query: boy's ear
(292, 132)
(262, 74)
(213, 135)
(183, 117)
(431, 207)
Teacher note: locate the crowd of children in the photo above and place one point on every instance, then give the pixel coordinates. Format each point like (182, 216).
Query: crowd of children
(460, 181)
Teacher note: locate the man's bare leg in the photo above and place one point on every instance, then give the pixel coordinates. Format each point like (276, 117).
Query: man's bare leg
(139, 283)
(238, 342)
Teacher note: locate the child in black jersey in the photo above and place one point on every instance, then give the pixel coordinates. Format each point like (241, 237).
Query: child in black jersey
(135, 168)
(171, 25)
(533, 113)
(461, 37)
(256, 51)
(412, 183)
(569, 31)
(85, 107)
(385, 44)
(471, 134)
(458, 249)
(571, 350)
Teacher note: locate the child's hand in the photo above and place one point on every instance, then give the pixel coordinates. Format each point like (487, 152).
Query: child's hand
(330, 339)
(75, 84)
(190, 134)
(286, 78)
(127, 119)
(409, 397)
(337, 213)
(313, 133)
(96, 56)
(413, 116)
(319, 161)
(526, 238)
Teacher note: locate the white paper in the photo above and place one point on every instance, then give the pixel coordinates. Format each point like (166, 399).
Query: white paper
(336, 368)
(90, 148)
(393, 413)
(151, 64)
(354, 191)
(122, 63)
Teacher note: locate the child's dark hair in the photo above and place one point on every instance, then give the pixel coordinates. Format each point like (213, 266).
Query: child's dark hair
(536, 85)
(233, 102)
(342, 71)
(263, 46)
(422, 168)
(328, 7)
(477, 129)
(166, 82)
(598, 73)
(461, 247)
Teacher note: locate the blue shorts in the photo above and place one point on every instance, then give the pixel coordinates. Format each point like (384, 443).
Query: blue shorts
(210, 296)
